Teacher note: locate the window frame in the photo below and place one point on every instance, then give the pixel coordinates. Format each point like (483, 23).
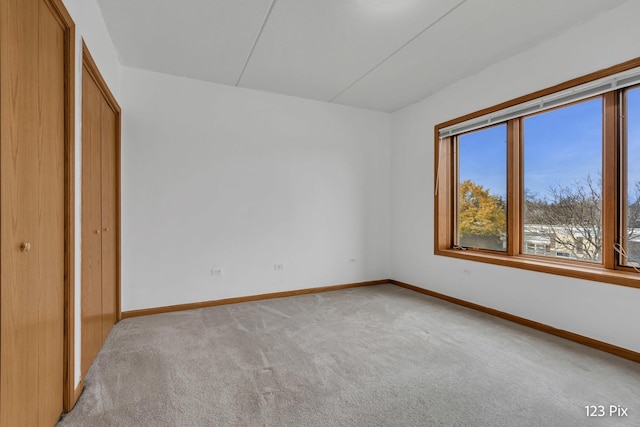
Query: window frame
(456, 177)
(623, 178)
(609, 269)
(521, 142)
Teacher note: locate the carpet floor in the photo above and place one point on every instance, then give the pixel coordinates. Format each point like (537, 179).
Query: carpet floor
(371, 356)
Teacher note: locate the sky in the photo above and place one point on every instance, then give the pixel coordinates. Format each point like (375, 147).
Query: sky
(633, 113)
(560, 147)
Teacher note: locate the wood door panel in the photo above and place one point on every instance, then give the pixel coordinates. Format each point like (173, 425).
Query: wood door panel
(50, 246)
(100, 211)
(18, 201)
(109, 215)
(91, 222)
(32, 198)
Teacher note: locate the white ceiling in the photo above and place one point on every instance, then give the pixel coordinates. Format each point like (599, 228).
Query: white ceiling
(375, 54)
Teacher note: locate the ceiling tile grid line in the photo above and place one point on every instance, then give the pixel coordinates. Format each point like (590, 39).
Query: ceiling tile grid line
(405, 44)
(255, 42)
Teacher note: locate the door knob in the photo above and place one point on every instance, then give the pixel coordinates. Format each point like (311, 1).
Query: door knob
(106, 229)
(25, 246)
(97, 231)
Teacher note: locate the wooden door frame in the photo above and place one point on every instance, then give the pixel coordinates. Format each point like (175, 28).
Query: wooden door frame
(90, 65)
(70, 392)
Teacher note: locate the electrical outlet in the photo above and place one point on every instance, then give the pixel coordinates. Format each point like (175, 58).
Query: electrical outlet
(278, 266)
(216, 272)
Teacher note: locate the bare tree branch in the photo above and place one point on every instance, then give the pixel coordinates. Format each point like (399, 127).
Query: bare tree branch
(572, 216)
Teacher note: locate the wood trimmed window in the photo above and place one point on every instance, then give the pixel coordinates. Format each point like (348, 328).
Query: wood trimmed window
(490, 170)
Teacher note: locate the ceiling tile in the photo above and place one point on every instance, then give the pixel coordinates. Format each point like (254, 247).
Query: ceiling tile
(202, 39)
(315, 49)
(474, 36)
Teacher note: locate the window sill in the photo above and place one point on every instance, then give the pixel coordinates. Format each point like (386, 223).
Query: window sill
(575, 269)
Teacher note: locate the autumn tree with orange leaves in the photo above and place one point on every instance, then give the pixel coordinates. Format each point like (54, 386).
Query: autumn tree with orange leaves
(480, 213)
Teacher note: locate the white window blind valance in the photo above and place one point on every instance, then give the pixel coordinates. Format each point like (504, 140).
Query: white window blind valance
(577, 93)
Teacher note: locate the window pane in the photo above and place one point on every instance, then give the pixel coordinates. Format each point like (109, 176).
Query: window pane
(563, 182)
(482, 157)
(632, 210)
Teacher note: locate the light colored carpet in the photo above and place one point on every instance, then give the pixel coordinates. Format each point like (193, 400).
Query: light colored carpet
(373, 356)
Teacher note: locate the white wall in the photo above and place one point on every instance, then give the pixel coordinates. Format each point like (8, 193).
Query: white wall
(221, 177)
(90, 26)
(601, 311)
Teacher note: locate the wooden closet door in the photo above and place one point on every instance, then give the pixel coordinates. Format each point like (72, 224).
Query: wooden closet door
(91, 309)
(99, 217)
(32, 148)
(109, 218)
